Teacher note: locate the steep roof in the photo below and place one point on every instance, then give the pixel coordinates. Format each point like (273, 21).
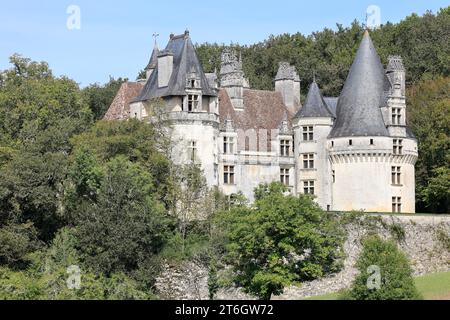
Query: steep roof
(185, 61)
(315, 106)
(358, 110)
(153, 59)
(332, 104)
(262, 110)
(120, 107)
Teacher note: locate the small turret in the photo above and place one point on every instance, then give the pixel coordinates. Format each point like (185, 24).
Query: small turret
(152, 64)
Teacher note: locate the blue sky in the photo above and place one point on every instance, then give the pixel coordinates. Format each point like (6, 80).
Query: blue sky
(115, 38)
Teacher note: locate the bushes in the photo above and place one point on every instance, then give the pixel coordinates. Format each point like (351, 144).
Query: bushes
(394, 280)
(281, 240)
(16, 243)
(22, 285)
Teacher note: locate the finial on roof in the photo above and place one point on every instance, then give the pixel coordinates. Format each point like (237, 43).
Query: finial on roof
(314, 76)
(171, 36)
(155, 36)
(186, 33)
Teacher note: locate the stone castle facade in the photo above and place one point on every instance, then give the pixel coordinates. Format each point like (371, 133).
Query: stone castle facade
(352, 152)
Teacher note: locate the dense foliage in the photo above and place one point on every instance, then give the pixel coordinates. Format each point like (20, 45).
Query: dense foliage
(421, 41)
(279, 241)
(384, 273)
(429, 117)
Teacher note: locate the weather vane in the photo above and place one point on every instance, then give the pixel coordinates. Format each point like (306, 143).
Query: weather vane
(155, 36)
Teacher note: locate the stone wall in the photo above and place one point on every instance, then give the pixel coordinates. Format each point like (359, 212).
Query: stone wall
(420, 243)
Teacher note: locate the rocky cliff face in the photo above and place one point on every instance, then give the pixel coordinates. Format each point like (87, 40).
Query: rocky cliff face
(422, 238)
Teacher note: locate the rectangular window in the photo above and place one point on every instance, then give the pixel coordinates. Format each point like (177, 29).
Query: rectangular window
(333, 173)
(396, 176)
(308, 161)
(285, 148)
(285, 176)
(396, 116)
(308, 187)
(350, 142)
(192, 149)
(228, 145)
(398, 146)
(193, 102)
(396, 204)
(372, 142)
(308, 133)
(228, 174)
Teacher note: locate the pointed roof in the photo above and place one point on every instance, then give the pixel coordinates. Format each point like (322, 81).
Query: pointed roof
(315, 105)
(358, 110)
(185, 61)
(153, 59)
(120, 107)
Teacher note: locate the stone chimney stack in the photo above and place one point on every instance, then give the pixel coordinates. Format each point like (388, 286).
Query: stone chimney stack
(165, 68)
(287, 82)
(397, 76)
(232, 78)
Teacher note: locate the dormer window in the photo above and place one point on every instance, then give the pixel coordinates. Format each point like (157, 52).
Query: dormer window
(193, 102)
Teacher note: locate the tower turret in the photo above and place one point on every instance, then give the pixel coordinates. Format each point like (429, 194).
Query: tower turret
(372, 159)
(312, 125)
(151, 66)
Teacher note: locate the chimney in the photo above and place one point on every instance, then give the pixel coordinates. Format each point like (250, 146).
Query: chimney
(165, 68)
(232, 78)
(397, 76)
(287, 82)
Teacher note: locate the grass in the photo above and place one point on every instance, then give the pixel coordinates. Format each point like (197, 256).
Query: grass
(434, 286)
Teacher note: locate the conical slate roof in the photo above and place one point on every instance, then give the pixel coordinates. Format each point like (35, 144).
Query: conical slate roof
(185, 61)
(315, 106)
(358, 110)
(153, 59)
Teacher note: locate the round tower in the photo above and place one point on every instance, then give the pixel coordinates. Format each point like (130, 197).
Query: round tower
(312, 125)
(372, 168)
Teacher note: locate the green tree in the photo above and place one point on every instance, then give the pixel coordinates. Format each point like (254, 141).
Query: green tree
(99, 97)
(429, 118)
(279, 241)
(139, 142)
(126, 226)
(39, 114)
(384, 273)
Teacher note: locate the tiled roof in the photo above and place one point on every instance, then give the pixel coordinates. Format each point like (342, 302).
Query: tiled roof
(185, 61)
(262, 110)
(120, 107)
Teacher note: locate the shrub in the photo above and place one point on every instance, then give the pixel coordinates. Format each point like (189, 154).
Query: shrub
(395, 281)
(281, 240)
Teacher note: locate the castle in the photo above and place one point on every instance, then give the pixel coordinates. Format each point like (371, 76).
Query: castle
(352, 152)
